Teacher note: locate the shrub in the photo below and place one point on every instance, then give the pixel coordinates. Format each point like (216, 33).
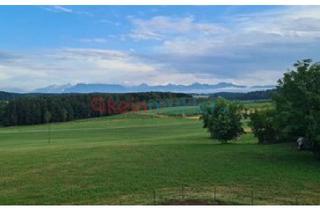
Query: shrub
(263, 126)
(222, 119)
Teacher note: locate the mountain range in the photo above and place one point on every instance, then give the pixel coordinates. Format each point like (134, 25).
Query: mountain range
(116, 88)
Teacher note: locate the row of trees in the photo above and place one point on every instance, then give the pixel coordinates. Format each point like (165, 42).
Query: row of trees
(40, 109)
(296, 113)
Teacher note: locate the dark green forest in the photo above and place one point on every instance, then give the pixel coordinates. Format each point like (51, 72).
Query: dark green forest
(254, 95)
(35, 108)
(44, 108)
(9, 96)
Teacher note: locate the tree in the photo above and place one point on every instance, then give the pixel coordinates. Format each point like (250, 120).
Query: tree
(47, 117)
(222, 119)
(298, 103)
(264, 127)
(3, 105)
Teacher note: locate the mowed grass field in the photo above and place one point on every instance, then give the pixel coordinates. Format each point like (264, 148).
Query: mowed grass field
(146, 158)
(195, 110)
(177, 111)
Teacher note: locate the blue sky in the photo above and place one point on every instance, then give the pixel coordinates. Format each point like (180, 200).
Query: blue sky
(249, 45)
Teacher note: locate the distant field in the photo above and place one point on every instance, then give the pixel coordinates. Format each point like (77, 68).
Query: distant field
(178, 111)
(146, 158)
(263, 104)
(195, 110)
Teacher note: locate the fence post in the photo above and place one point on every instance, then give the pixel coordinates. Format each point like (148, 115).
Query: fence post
(154, 197)
(49, 133)
(251, 197)
(182, 192)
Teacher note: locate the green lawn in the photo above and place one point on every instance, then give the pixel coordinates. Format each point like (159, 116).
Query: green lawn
(178, 111)
(142, 158)
(263, 104)
(195, 110)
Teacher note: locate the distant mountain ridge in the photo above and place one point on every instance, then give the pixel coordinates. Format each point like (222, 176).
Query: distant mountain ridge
(116, 88)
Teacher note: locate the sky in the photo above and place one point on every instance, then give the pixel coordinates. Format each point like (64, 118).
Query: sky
(131, 45)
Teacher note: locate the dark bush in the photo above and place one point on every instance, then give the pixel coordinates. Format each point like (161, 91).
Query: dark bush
(223, 119)
(263, 126)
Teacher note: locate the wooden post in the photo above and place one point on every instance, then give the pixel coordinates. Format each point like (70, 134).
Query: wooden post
(251, 197)
(49, 133)
(154, 197)
(182, 192)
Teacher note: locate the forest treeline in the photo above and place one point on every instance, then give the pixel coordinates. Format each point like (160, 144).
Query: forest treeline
(35, 108)
(45, 108)
(9, 96)
(254, 95)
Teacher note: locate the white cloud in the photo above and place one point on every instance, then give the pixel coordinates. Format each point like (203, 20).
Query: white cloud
(59, 9)
(294, 24)
(14, 75)
(251, 49)
(162, 27)
(94, 40)
(63, 9)
(258, 77)
(161, 78)
(291, 26)
(74, 65)
(271, 41)
(3, 74)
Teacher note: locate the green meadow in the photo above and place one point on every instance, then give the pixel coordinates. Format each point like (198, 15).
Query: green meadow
(149, 158)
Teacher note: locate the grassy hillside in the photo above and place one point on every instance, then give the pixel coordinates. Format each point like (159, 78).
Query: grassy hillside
(195, 110)
(145, 158)
(177, 111)
(263, 104)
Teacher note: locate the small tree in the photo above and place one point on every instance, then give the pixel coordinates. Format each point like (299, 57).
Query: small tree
(47, 117)
(222, 119)
(263, 126)
(3, 105)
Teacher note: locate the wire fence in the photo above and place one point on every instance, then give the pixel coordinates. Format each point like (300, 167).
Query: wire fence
(218, 195)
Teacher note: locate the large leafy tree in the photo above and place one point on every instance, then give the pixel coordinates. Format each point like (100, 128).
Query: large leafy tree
(222, 119)
(298, 102)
